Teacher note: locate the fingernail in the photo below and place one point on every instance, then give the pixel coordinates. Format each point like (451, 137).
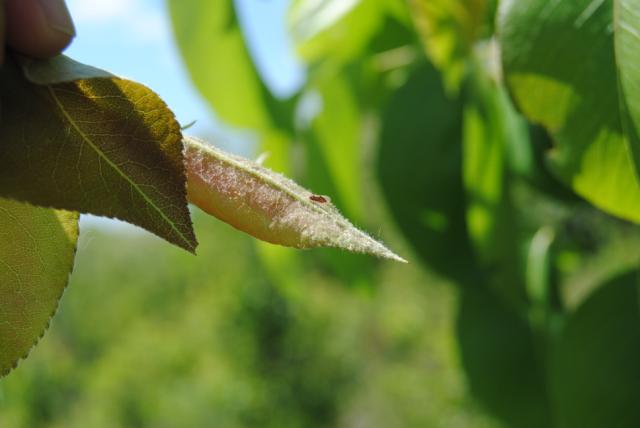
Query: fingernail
(58, 16)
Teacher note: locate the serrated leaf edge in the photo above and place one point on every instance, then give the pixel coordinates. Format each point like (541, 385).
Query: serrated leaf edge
(189, 245)
(55, 309)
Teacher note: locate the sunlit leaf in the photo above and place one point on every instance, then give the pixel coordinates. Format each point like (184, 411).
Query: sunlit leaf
(214, 50)
(626, 17)
(448, 30)
(101, 145)
(267, 205)
(37, 248)
(333, 29)
(337, 132)
(560, 64)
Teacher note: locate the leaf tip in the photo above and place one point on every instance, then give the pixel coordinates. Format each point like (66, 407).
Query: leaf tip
(374, 247)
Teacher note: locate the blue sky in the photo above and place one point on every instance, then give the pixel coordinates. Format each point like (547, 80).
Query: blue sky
(133, 39)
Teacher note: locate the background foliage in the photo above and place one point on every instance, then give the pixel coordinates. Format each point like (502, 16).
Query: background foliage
(496, 143)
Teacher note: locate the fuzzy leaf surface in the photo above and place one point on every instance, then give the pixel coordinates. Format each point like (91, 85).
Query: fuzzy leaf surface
(267, 205)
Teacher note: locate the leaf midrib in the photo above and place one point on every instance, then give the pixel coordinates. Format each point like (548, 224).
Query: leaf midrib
(116, 168)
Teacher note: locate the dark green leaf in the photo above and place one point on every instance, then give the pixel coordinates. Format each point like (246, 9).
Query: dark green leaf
(420, 170)
(490, 128)
(37, 248)
(595, 371)
(105, 146)
(490, 125)
(502, 362)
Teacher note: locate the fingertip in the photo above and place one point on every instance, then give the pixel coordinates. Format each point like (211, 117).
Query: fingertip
(38, 28)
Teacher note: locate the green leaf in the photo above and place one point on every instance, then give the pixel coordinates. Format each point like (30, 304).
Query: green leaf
(420, 171)
(337, 132)
(213, 48)
(560, 64)
(627, 39)
(617, 250)
(267, 205)
(103, 145)
(595, 370)
(59, 69)
(37, 248)
(448, 30)
(335, 165)
(489, 123)
(334, 29)
(490, 127)
(503, 364)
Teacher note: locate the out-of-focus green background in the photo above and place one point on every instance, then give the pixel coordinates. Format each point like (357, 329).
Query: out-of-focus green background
(148, 335)
(519, 307)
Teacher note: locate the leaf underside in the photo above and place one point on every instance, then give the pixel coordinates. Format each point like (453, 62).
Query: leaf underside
(268, 205)
(104, 145)
(36, 259)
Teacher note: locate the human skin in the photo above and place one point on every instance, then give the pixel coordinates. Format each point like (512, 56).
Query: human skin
(36, 28)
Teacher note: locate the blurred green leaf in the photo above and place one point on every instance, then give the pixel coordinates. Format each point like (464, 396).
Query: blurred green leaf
(560, 64)
(595, 371)
(490, 126)
(37, 248)
(499, 353)
(227, 351)
(334, 165)
(626, 16)
(420, 171)
(399, 9)
(495, 138)
(617, 250)
(334, 29)
(103, 145)
(337, 137)
(213, 47)
(449, 28)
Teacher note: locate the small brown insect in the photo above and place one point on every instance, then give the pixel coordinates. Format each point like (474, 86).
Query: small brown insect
(318, 198)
